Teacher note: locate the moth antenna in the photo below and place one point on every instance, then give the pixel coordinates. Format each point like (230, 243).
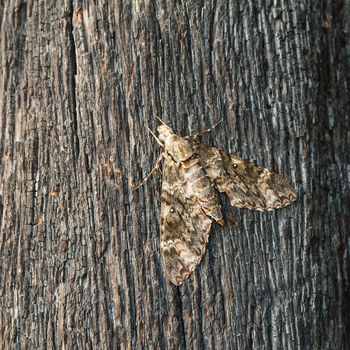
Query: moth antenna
(157, 139)
(216, 124)
(156, 167)
(195, 135)
(164, 123)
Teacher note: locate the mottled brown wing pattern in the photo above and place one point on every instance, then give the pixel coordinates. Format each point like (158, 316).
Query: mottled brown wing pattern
(192, 172)
(186, 217)
(246, 184)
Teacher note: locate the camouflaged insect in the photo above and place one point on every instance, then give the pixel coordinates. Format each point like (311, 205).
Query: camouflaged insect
(192, 172)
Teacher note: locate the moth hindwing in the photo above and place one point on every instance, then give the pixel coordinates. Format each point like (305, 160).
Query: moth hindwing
(192, 174)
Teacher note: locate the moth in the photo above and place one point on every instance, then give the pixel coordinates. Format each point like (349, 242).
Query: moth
(193, 173)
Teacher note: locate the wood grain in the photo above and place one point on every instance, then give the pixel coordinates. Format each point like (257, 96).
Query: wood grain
(79, 248)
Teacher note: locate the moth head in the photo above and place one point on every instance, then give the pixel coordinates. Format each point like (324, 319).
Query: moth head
(164, 131)
(178, 147)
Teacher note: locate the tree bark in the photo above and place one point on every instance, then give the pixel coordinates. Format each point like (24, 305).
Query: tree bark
(80, 263)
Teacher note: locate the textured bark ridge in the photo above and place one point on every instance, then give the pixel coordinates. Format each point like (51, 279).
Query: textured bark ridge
(80, 261)
(192, 172)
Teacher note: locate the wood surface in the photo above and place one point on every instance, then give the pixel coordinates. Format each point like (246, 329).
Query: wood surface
(80, 264)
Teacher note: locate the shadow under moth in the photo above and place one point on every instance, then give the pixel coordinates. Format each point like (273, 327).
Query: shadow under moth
(192, 174)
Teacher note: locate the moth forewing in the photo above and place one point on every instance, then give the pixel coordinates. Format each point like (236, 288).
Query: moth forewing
(192, 172)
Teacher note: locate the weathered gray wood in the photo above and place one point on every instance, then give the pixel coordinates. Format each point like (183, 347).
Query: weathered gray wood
(79, 249)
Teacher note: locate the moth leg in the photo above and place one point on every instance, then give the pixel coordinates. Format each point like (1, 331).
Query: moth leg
(207, 131)
(156, 167)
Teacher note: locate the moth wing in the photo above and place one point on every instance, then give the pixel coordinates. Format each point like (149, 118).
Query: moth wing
(184, 226)
(246, 184)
